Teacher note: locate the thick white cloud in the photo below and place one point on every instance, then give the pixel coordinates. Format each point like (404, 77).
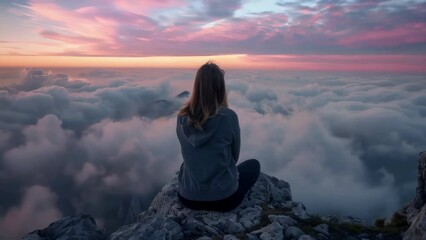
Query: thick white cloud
(339, 140)
(125, 155)
(44, 143)
(37, 210)
(343, 139)
(323, 170)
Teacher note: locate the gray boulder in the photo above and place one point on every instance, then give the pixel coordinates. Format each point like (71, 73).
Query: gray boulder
(293, 233)
(284, 221)
(204, 238)
(152, 228)
(230, 237)
(322, 229)
(297, 208)
(306, 237)
(273, 231)
(74, 227)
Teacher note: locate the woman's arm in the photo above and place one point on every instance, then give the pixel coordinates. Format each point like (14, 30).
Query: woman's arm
(236, 142)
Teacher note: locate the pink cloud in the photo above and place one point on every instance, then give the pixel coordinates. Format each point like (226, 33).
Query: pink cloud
(68, 39)
(241, 29)
(146, 6)
(76, 22)
(177, 27)
(405, 34)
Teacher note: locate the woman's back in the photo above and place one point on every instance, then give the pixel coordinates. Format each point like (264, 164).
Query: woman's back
(209, 170)
(209, 135)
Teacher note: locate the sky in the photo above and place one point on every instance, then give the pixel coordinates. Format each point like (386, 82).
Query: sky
(103, 141)
(341, 35)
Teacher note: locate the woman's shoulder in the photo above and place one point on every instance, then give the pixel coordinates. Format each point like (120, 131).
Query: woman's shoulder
(225, 111)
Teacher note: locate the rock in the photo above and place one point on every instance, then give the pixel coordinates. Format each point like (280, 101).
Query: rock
(284, 221)
(417, 229)
(230, 237)
(273, 231)
(273, 235)
(183, 94)
(306, 237)
(323, 229)
(420, 198)
(413, 208)
(167, 218)
(204, 238)
(251, 237)
(250, 216)
(297, 208)
(293, 232)
(410, 212)
(81, 227)
(412, 215)
(267, 190)
(211, 223)
(151, 228)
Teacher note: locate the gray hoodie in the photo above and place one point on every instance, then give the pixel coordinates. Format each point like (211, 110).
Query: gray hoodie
(209, 171)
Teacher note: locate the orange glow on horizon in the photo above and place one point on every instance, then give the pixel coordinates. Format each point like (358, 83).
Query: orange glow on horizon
(386, 63)
(230, 61)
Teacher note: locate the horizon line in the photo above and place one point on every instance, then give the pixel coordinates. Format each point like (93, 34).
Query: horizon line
(340, 63)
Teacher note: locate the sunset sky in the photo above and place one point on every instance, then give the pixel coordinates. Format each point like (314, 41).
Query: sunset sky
(347, 35)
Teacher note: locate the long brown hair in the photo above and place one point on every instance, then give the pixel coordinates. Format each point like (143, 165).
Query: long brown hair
(209, 93)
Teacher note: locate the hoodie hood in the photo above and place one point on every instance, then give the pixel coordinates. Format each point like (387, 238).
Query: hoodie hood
(198, 137)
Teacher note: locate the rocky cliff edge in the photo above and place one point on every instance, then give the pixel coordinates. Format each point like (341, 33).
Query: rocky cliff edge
(267, 212)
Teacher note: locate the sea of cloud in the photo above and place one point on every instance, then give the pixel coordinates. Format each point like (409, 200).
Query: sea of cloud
(94, 140)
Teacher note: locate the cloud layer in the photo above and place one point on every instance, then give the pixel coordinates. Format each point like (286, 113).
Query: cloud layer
(90, 141)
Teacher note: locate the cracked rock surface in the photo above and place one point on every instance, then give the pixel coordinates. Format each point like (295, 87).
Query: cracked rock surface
(266, 191)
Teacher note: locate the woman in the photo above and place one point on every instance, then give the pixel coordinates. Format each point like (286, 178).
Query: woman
(209, 135)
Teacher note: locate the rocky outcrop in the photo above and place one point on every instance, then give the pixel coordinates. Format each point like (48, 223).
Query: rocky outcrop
(267, 192)
(81, 227)
(409, 212)
(420, 199)
(151, 228)
(417, 229)
(414, 213)
(267, 212)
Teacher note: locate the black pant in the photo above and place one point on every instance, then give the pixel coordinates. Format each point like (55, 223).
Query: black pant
(248, 174)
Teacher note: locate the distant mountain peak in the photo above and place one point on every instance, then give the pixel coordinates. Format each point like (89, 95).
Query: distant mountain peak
(183, 94)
